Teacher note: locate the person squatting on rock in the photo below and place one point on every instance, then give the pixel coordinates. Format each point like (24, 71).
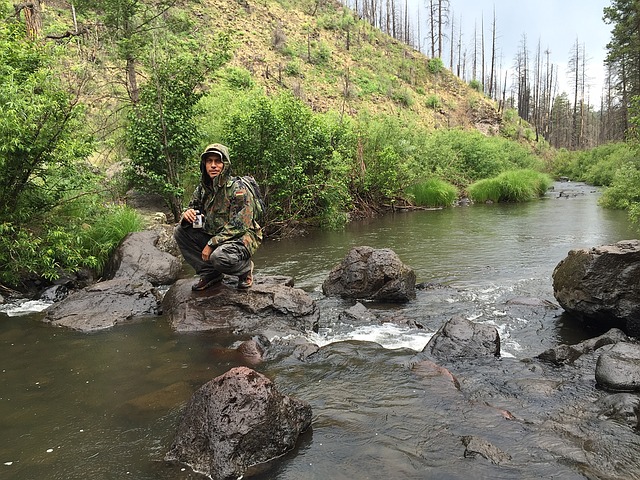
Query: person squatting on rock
(229, 235)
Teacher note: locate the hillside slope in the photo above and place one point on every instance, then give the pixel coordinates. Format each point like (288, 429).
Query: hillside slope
(334, 61)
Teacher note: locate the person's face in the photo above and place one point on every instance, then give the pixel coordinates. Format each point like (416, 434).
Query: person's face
(213, 165)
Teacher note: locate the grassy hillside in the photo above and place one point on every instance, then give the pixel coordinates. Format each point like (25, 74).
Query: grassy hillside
(325, 55)
(285, 44)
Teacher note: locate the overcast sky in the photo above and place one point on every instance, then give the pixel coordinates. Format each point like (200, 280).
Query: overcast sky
(555, 23)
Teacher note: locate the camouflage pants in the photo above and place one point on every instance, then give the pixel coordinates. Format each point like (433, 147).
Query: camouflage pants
(228, 258)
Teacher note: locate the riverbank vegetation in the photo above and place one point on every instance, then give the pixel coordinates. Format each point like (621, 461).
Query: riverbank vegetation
(334, 119)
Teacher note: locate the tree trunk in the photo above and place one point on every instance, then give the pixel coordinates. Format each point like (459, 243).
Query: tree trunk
(32, 17)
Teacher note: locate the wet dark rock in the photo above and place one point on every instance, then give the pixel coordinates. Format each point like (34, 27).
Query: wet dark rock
(54, 293)
(372, 274)
(566, 354)
(270, 307)
(137, 258)
(602, 285)
(104, 305)
(479, 446)
(462, 338)
(624, 407)
(618, 369)
(357, 314)
(236, 421)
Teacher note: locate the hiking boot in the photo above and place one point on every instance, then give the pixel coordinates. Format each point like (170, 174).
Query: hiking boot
(206, 282)
(246, 280)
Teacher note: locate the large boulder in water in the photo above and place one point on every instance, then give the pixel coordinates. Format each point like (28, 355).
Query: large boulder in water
(271, 307)
(236, 421)
(371, 274)
(134, 270)
(601, 285)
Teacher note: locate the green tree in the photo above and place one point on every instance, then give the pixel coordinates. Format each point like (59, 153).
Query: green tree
(623, 51)
(162, 135)
(129, 25)
(41, 134)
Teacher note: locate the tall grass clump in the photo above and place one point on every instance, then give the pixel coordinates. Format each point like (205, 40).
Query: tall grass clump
(510, 186)
(101, 238)
(433, 193)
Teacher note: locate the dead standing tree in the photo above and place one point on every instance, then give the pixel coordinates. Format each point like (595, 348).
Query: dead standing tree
(32, 16)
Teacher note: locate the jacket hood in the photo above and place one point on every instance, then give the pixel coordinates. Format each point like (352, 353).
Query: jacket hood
(223, 151)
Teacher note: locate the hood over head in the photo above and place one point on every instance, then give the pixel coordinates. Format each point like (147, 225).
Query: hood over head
(221, 150)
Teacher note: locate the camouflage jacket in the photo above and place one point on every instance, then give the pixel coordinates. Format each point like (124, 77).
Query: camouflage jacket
(228, 214)
(227, 204)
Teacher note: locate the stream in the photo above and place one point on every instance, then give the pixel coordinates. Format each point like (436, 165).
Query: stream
(105, 405)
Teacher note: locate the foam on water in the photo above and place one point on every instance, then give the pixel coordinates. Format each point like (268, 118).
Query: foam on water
(24, 308)
(387, 335)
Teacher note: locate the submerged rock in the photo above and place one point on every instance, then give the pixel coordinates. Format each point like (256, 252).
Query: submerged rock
(602, 285)
(236, 421)
(372, 274)
(479, 446)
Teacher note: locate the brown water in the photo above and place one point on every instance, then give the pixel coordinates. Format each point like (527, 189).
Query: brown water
(105, 405)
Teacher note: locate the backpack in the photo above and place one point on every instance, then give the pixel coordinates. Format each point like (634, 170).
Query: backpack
(259, 207)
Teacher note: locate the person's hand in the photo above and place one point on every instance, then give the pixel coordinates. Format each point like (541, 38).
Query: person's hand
(206, 252)
(189, 215)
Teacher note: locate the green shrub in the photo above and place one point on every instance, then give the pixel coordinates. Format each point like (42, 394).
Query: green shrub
(463, 157)
(433, 193)
(100, 238)
(239, 78)
(476, 85)
(433, 101)
(435, 65)
(624, 191)
(321, 54)
(402, 96)
(511, 186)
(292, 69)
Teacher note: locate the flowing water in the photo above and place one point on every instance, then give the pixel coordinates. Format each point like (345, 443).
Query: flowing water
(105, 405)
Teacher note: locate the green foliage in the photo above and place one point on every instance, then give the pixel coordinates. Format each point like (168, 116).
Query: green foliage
(435, 65)
(463, 157)
(239, 78)
(292, 68)
(433, 101)
(597, 166)
(402, 96)
(299, 158)
(80, 232)
(624, 192)
(107, 231)
(511, 186)
(320, 53)
(162, 134)
(433, 193)
(476, 85)
(41, 127)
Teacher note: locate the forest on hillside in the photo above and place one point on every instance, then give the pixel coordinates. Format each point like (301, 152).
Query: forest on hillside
(569, 120)
(101, 97)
